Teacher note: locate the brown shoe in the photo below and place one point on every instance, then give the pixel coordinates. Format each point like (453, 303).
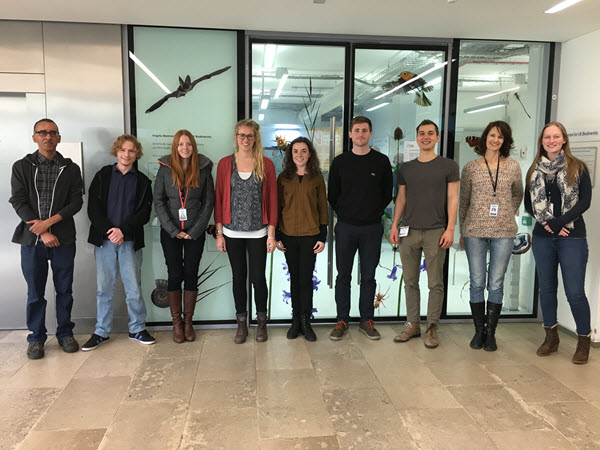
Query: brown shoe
(431, 339)
(412, 330)
(583, 350)
(338, 332)
(174, 298)
(189, 305)
(242, 330)
(261, 330)
(551, 342)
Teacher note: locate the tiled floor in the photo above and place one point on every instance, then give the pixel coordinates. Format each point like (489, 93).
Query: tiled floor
(282, 394)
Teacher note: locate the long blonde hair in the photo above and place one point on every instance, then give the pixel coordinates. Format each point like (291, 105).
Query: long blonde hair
(258, 169)
(189, 178)
(573, 165)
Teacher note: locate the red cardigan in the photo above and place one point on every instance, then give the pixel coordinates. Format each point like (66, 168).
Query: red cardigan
(223, 192)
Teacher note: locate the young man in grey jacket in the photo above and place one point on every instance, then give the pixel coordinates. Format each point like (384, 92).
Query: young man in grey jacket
(46, 192)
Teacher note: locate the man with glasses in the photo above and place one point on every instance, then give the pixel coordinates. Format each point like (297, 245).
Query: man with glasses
(46, 193)
(360, 188)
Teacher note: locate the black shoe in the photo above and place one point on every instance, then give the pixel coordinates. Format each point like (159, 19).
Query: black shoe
(35, 350)
(493, 313)
(479, 319)
(306, 329)
(93, 342)
(294, 330)
(69, 344)
(143, 337)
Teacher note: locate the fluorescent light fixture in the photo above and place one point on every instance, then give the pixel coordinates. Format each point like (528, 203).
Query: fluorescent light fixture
(434, 68)
(256, 91)
(286, 126)
(264, 104)
(381, 105)
(284, 78)
(142, 66)
(270, 50)
(560, 6)
(497, 93)
(486, 107)
(261, 116)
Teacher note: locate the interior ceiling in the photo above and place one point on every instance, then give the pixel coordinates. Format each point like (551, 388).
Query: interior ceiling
(475, 19)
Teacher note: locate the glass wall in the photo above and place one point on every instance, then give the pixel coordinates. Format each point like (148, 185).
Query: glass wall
(507, 81)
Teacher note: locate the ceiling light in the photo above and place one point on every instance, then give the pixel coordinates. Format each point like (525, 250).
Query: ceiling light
(256, 91)
(284, 78)
(261, 116)
(381, 105)
(270, 50)
(264, 104)
(496, 93)
(142, 66)
(486, 107)
(560, 6)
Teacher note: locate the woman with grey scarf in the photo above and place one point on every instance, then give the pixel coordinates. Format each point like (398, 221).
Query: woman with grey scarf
(559, 192)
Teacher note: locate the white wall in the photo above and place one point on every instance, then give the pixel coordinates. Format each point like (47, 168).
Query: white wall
(579, 106)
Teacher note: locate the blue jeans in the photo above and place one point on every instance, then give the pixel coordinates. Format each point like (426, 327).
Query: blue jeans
(500, 250)
(34, 263)
(572, 255)
(130, 265)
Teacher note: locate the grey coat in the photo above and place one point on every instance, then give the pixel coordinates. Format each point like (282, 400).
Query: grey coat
(199, 205)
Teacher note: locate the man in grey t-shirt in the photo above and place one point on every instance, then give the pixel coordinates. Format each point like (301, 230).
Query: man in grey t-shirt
(427, 202)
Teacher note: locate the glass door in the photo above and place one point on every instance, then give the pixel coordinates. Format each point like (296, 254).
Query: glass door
(298, 90)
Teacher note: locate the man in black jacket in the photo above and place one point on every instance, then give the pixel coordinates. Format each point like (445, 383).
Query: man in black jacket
(46, 192)
(120, 201)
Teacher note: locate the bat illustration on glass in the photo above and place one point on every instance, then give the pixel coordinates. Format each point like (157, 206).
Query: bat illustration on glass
(185, 86)
(418, 86)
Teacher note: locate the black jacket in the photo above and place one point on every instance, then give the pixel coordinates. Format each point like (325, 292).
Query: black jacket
(67, 199)
(98, 196)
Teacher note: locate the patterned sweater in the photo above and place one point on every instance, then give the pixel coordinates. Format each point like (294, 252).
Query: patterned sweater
(477, 194)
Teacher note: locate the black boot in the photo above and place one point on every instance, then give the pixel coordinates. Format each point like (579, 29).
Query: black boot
(478, 311)
(294, 330)
(306, 329)
(493, 313)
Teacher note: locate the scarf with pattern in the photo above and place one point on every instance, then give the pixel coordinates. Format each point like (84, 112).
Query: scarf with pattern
(548, 170)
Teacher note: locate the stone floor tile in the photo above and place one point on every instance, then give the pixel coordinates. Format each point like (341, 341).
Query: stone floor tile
(21, 409)
(515, 373)
(223, 394)
(63, 440)
(282, 353)
(147, 424)
(531, 440)
(579, 422)
(290, 404)
(222, 359)
(19, 337)
(544, 391)
(307, 443)
(221, 428)
(461, 372)
(366, 419)
(405, 395)
(165, 347)
(84, 403)
(4, 333)
(345, 374)
(325, 348)
(495, 408)
(13, 356)
(164, 379)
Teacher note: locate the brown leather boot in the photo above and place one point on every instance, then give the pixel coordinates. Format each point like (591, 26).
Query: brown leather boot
(174, 298)
(583, 350)
(261, 330)
(551, 342)
(189, 305)
(242, 330)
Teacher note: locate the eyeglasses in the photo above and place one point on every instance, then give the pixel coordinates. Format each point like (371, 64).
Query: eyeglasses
(242, 136)
(44, 133)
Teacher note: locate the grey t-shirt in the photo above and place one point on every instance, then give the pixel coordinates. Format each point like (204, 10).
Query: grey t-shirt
(426, 191)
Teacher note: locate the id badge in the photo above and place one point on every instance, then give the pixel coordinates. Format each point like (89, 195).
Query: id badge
(403, 231)
(493, 210)
(182, 214)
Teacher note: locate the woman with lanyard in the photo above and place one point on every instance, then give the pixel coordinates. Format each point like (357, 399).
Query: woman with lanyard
(302, 225)
(183, 197)
(559, 191)
(246, 216)
(491, 190)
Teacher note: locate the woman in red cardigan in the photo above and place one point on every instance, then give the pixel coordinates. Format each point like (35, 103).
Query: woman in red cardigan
(246, 216)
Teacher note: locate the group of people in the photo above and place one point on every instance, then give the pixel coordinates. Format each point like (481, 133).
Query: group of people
(257, 212)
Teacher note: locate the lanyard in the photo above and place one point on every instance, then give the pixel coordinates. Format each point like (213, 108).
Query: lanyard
(494, 185)
(183, 202)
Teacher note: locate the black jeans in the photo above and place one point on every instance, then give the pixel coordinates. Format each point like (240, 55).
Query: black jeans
(257, 257)
(300, 258)
(367, 240)
(182, 257)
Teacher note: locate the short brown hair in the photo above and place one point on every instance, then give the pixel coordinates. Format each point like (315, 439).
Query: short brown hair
(429, 122)
(125, 138)
(361, 119)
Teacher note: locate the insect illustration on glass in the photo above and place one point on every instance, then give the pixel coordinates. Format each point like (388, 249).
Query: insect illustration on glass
(380, 298)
